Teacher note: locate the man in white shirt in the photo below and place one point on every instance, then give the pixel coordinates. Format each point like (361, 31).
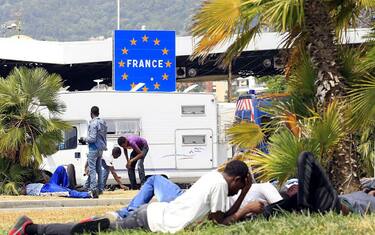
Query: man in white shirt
(209, 195)
(107, 163)
(266, 193)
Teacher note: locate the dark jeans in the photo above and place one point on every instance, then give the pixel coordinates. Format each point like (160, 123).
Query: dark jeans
(136, 220)
(105, 174)
(56, 229)
(141, 168)
(315, 192)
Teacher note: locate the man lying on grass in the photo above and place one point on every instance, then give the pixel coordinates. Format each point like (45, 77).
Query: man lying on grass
(62, 183)
(165, 190)
(208, 195)
(316, 194)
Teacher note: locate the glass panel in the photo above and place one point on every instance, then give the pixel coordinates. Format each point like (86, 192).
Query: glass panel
(111, 127)
(128, 127)
(194, 110)
(70, 139)
(194, 139)
(123, 127)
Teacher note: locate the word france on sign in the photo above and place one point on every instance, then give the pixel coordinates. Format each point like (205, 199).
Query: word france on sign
(143, 57)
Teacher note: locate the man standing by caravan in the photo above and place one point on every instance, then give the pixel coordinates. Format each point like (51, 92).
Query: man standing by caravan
(97, 141)
(140, 149)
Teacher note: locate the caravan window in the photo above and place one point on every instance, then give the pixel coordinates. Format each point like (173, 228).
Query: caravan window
(193, 139)
(70, 139)
(193, 110)
(118, 127)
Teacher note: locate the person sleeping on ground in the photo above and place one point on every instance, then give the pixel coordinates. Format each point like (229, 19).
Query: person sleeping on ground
(61, 183)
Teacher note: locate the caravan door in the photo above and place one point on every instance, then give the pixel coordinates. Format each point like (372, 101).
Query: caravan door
(194, 149)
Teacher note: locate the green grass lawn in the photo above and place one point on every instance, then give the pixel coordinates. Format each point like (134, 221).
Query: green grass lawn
(286, 224)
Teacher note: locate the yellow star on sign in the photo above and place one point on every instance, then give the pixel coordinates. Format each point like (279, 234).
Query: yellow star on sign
(145, 38)
(168, 64)
(121, 63)
(165, 51)
(157, 42)
(145, 89)
(165, 76)
(125, 51)
(133, 42)
(133, 85)
(156, 86)
(125, 76)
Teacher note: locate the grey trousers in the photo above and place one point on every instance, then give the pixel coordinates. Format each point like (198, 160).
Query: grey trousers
(56, 229)
(135, 220)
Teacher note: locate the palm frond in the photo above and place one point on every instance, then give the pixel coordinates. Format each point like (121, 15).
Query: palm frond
(245, 134)
(367, 63)
(366, 3)
(344, 14)
(284, 15)
(362, 99)
(352, 64)
(301, 83)
(281, 162)
(215, 22)
(366, 148)
(11, 139)
(8, 188)
(329, 129)
(239, 44)
(285, 114)
(38, 88)
(316, 134)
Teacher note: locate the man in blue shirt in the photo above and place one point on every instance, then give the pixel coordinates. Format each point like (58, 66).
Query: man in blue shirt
(97, 141)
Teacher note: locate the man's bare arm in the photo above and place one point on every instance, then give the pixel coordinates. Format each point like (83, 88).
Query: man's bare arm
(126, 154)
(139, 154)
(255, 207)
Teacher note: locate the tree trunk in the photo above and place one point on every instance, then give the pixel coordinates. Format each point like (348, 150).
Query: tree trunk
(229, 81)
(321, 45)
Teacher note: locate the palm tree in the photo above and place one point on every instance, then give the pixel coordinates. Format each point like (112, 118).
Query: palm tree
(321, 46)
(316, 133)
(312, 26)
(28, 106)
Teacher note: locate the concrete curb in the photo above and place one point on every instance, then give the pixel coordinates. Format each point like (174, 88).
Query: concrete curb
(64, 203)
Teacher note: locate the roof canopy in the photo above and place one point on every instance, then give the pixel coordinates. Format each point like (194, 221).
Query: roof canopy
(19, 49)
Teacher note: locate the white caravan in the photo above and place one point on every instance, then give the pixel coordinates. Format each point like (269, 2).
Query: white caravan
(185, 131)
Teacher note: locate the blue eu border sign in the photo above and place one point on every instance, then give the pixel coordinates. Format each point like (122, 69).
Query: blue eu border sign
(142, 56)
